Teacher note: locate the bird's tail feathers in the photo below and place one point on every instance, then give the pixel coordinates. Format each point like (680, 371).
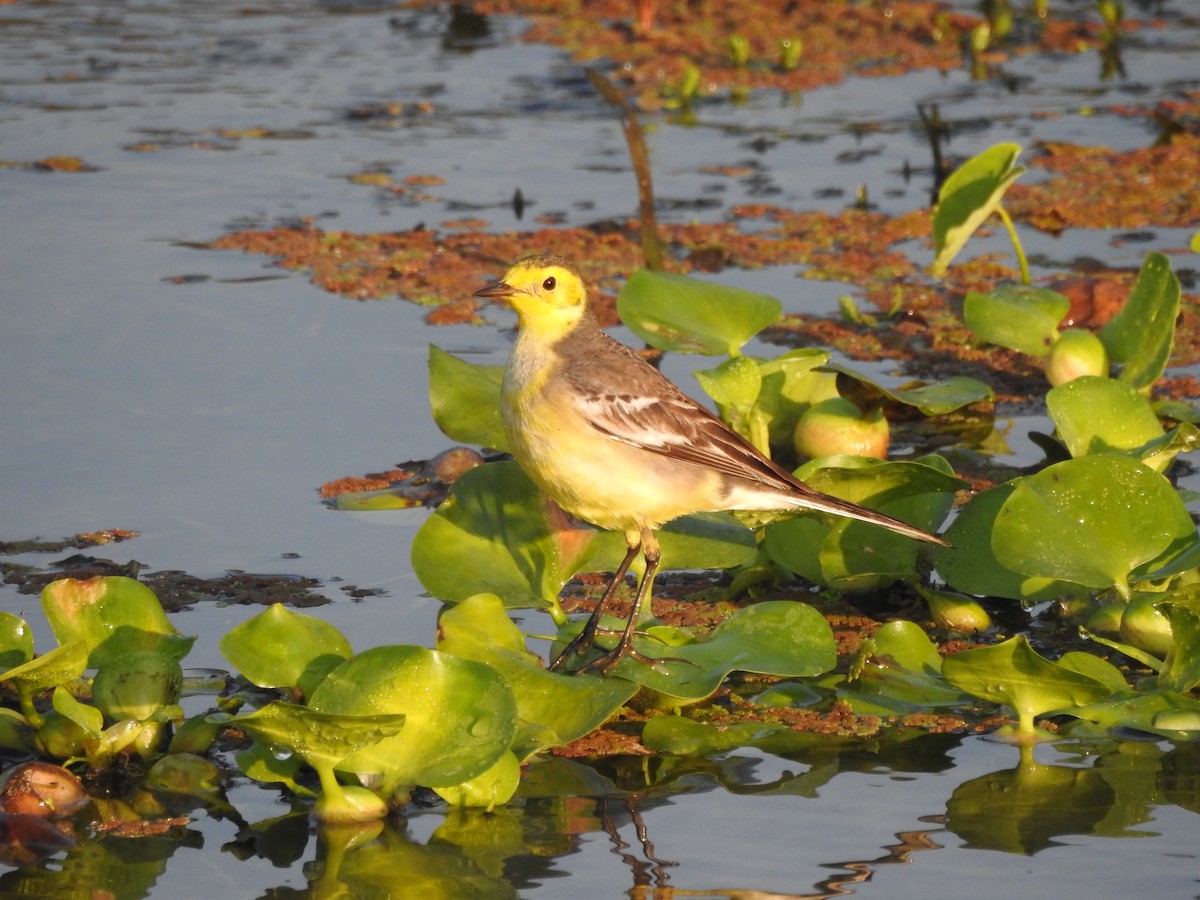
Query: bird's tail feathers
(826, 503)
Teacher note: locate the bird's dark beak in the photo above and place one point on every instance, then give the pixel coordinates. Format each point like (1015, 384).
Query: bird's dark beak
(499, 289)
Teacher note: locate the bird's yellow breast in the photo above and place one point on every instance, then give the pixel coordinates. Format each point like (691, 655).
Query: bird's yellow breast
(599, 479)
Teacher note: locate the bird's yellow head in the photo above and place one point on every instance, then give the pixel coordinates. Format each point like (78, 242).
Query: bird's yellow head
(546, 291)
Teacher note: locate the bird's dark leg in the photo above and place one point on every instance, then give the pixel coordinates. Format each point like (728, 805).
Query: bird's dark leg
(586, 637)
(625, 646)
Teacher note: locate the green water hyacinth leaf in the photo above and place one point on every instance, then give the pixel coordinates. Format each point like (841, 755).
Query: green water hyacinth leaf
(114, 617)
(496, 533)
(282, 648)
(678, 736)
(1181, 668)
(1163, 712)
(489, 789)
(553, 709)
(1091, 521)
(1099, 415)
(1096, 416)
(735, 385)
(763, 405)
(687, 315)
(971, 194)
(1019, 317)
(318, 738)
(971, 565)
(700, 541)
(935, 399)
(461, 715)
(1141, 335)
(898, 671)
(60, 665)
(465, 399)
(780, 637)
(90, 719)
(1014, 675)
(324, 741)
(16, 641)
(856, 556)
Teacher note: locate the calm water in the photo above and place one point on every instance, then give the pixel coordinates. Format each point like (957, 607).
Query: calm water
(199, 398)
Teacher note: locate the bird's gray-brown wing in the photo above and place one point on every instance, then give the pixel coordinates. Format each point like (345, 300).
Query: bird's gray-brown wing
(627, 399)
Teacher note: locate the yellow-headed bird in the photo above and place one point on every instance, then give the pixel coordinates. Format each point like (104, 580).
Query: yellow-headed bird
(612, 441)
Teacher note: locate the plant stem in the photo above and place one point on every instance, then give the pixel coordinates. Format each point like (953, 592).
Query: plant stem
(1012, 233)
(651, 249)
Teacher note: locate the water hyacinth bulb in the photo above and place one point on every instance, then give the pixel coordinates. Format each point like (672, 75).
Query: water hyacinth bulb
(837, 426)
(1076, 353)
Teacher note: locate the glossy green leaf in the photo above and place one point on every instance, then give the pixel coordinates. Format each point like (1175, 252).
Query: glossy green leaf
(1141, 335)
(933, 399)
(762, 399)
(553, 709)
(465, 399)
(460, 714)
(898, 671)
(700, 541)
(60, 665)
(16, 641)
(679, 736)
(1019, 317)
(113, 616)
(971, 565)
(1164, 712)
(282, 648)
(496, 533)
(779, 637)
(1014, 675)
(87, 717)
(791, 383)
(1181, 668)
(1103, 416)
(1091, 521)
(321, 739)
(968, 197)
(1094, 667)
(852, 555)
(735, 385)
(488, 789)
(137, 685)
(687, 315)
(1099, 415)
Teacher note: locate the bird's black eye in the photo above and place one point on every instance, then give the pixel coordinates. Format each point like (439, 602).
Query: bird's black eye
(549, 284)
